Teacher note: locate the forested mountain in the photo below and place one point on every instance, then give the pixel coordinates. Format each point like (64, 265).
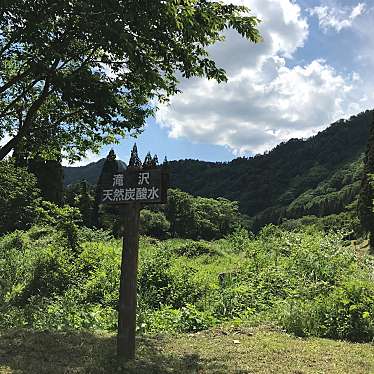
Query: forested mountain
(89, 173)
(319, 175)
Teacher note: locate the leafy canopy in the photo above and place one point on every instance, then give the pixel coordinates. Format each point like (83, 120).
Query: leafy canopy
(76, 74)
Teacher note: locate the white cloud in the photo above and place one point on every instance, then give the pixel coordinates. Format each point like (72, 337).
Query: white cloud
(282, 28)
(363, 29)
(337, 17)
(265, 101)
(258, 109)
(90, 157)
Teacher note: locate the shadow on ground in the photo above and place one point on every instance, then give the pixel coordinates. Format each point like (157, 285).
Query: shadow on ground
(25, 351)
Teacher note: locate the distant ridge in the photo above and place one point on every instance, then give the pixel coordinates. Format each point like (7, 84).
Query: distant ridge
(317, 176)
(90, 173)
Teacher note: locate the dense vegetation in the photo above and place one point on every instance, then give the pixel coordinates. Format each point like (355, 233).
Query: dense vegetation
(273, 181)
(59, 274)
(319, 176)
(306, 282)
(18, 197)
(366, 197)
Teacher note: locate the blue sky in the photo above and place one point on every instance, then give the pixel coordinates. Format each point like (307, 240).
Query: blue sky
(155, 140)
(314, 66)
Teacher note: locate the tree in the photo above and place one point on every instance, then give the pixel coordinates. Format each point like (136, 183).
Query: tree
(79, 74)
(201, 217)
(180, 213)
(18, 197)
(154, 224)
(365, 203)
(215, 218)
(50, 177)
(111, 166)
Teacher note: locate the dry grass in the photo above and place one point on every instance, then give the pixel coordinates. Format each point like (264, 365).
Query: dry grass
(217, 351)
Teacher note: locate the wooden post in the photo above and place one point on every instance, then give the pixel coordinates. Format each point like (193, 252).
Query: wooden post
(127, 297)
(138, 184)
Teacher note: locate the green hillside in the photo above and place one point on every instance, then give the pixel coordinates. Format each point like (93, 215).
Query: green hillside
(317, 176)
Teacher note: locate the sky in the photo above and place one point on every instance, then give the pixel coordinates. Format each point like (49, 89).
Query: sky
(314, 66)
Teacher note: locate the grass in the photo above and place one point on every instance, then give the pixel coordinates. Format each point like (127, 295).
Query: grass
(228, 350)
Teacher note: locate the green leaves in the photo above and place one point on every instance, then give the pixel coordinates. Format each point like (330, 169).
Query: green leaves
(102, 63)
(199, 217)
(18, 197)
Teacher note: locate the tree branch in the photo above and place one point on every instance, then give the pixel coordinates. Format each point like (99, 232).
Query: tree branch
(17, 99)
(5, 47)
(27, 124)
(12, 81)
(65, 117)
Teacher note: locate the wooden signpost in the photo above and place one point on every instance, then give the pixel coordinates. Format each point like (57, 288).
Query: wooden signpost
(139, 184)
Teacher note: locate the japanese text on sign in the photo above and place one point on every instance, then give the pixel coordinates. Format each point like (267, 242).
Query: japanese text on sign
(143, 186)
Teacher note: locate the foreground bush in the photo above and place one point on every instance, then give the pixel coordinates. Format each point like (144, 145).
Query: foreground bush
(346, 313)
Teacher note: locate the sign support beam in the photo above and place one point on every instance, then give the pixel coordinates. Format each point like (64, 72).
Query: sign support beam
(127, 297)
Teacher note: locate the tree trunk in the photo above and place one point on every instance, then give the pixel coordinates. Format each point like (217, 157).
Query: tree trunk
(8, 147)
(30, 116)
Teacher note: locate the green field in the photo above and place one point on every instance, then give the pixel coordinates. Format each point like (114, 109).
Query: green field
(229, 350)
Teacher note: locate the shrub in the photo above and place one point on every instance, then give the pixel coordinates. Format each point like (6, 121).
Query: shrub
(86, 234)
(98, 266)
(295, 315)
(51, 275)
(64, 218)
(192, 319)
(347, 312)
(195, 249)
(168, 319)
(159, 284)
(232, 301)
(154, 224)
(239, 240)
(165, 319)
(66, 312)
(155, 281)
